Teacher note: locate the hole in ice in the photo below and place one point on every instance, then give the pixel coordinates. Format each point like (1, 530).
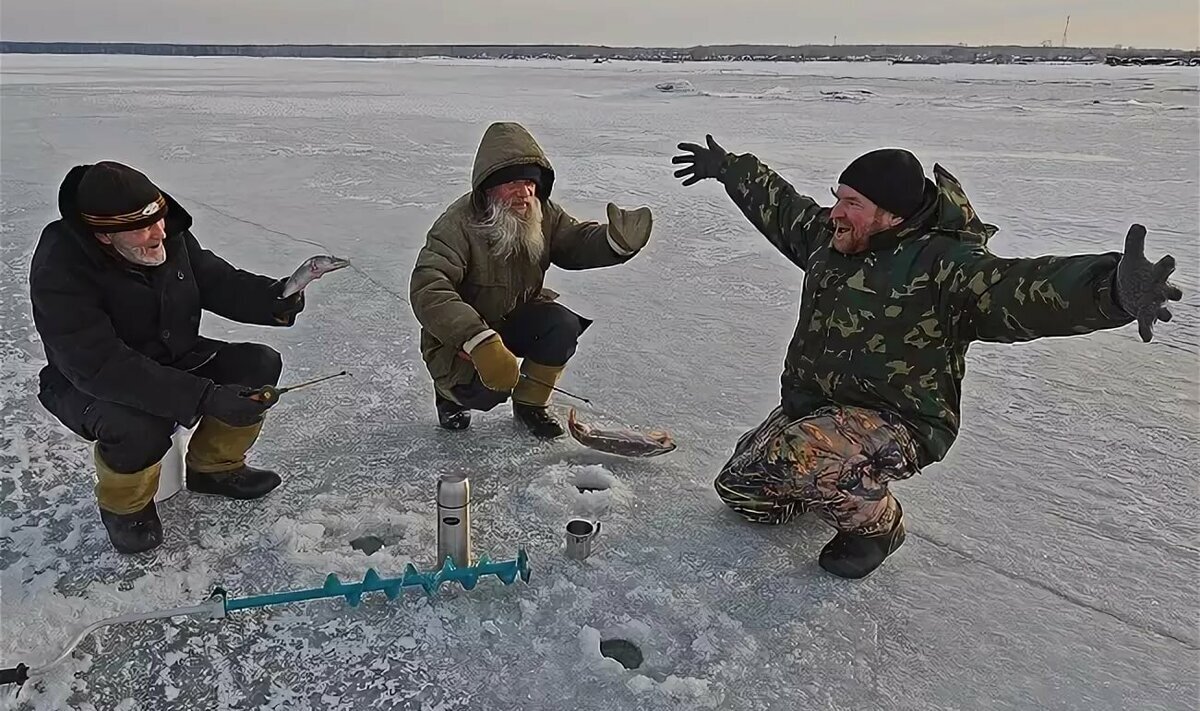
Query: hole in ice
(623, 651)
(593, 479)
(367, 544)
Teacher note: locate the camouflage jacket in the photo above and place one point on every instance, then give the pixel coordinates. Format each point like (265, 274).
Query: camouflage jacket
(889, 328)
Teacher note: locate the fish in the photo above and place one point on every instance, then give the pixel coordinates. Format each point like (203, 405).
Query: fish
(312, 269)
(623, 442)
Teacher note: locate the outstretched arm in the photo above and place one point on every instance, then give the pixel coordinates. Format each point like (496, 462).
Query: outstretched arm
(589, 245)
(239, 295)
(1010, 300)
(794, 223)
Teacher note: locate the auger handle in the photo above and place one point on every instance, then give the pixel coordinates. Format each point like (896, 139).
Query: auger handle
(14, 675)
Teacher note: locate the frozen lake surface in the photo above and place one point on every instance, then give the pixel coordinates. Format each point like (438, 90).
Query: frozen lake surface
(1051, 561)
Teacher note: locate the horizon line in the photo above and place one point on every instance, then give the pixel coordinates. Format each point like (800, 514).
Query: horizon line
(577, 45)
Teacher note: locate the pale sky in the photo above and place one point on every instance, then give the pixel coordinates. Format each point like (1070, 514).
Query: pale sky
(1094, 23)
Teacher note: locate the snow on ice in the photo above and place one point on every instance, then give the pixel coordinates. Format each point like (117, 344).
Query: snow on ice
(1050, 561)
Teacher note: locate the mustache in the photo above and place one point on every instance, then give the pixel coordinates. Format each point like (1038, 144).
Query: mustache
(501, 211)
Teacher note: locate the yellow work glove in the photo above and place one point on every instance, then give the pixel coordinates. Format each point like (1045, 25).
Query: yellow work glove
(497, 366)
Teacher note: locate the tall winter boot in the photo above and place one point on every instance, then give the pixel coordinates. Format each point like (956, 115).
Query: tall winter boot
(216, 461)
(451, 415)
(532, 397)
(851, 556)
(126, 503)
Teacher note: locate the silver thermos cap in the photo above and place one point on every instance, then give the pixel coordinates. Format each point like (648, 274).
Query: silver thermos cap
(454, 520)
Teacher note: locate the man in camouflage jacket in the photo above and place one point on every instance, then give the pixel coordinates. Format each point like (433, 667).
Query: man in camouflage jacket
(898, 283)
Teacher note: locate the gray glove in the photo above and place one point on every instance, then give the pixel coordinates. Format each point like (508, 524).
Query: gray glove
(630, 229)
(1142, 287)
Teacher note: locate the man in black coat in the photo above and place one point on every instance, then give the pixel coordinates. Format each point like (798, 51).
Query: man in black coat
(117, 285)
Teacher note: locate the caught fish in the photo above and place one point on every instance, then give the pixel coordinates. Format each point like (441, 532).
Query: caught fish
(310, 271)
(624, 442)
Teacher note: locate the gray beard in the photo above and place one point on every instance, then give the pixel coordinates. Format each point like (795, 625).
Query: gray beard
(510, 235)
(138, 256)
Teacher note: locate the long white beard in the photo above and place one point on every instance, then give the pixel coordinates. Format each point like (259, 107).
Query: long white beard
(511, 234)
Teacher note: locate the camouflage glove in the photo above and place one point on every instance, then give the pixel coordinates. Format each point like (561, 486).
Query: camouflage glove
(497, 366)
(705, 162)
(630, 229)
(1142, 287)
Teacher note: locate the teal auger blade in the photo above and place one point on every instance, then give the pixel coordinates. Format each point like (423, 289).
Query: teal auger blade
(467, 577)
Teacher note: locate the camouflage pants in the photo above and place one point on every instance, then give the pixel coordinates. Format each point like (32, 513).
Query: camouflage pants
(836, 462)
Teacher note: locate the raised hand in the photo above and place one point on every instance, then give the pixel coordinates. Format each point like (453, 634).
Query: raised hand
(701, 162)
(629, 228)
(1142, 287)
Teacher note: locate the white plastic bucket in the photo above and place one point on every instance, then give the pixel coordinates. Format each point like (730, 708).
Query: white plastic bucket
(170, 479)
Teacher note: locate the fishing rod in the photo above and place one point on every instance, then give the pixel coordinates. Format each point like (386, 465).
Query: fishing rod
(312, 382)
(591, 407)
(270, 393)
(532, 379)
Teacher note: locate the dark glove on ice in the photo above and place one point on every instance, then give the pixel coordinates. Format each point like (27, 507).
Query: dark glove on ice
(286, 310)
(704, 162)
(1142, 287)
(224, 403)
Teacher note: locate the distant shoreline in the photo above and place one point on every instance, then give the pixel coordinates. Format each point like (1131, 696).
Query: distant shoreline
(897, 53)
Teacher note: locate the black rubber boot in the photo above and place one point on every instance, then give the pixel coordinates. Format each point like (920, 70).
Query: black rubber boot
(849, 556)
(244, 483)
(451, 415)
(538, 420)
(135, 532)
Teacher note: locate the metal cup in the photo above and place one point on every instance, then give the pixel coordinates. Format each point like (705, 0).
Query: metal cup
(579, 537)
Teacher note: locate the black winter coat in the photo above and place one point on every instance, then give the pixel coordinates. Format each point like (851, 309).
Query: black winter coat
(128, 334)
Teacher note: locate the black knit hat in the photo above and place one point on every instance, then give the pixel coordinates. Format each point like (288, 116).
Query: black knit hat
(520, 171)
(113, 197)
(892, 178)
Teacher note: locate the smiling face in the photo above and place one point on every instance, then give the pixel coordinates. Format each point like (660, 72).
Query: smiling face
(856, 219)
(143, 247)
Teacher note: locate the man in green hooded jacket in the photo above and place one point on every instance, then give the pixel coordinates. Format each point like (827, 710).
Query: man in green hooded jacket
(477, 288)
(898, 283)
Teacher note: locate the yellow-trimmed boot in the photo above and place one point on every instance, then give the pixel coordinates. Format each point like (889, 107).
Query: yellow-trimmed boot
(127, 508)
(216, 462)
(531, 398)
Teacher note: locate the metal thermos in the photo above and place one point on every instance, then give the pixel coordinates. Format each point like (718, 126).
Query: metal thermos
(454, 520)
